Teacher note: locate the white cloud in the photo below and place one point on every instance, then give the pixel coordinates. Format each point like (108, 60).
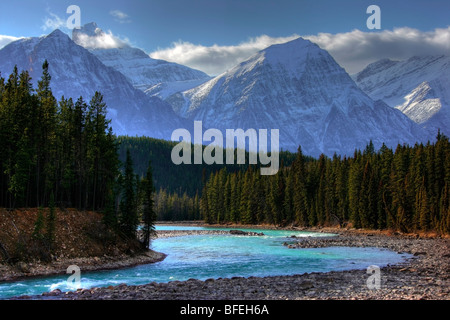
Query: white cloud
(356, 49)
(4, 40)
(99, 40)
(352, 50)
(53, 22)
(120, 16)
(215, 59)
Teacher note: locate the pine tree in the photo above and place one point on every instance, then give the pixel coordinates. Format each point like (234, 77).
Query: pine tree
(367, 199)
(109, 213)
(221, 195)
(79, 151)
(445, 209)
(212, 194)
(300, 201)
(422, 207)
(227, 197)
(39, 225)
(259, 198)
(46, 136)
(233, 198)
(252, 203)
(129, 218)
(51, 221)
(288, 203)
(20, 176)
(321, 191)
(99, 145)
(244, 208)
(204, 207)
(342, 192)
(385, 195)
(148, 212)
(354, 188)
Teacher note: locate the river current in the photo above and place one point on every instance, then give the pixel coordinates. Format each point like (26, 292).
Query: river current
(218, 256)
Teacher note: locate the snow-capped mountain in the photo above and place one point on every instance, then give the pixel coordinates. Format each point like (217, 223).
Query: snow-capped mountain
(419, 87)
(295, 87)
(77, 72)
(298, 88)
(141, 70)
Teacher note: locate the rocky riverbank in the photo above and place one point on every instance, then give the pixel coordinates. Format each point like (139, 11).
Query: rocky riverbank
(25, 270)
(80, 239)
(425, 276)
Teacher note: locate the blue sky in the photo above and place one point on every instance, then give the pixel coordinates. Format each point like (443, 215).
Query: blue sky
(164, 27)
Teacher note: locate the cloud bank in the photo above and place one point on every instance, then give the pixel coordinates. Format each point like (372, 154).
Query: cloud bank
(215, 59)
(356, 49)
(53, 22)
(4, 40)
(352, 50)
(90, 36)
(104, 40)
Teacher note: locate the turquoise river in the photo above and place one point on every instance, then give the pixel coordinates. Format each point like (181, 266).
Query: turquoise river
(218, 256)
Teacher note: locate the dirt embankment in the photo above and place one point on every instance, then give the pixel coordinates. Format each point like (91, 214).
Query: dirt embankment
(80, 239)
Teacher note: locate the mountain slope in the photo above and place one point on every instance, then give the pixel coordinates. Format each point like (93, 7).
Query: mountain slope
(141, 70)
(419, 87)
(299, 89)
(76, 72)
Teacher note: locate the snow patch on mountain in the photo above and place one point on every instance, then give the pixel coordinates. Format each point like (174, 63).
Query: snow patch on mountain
(421, 103)
(141, 70)
(419, 87)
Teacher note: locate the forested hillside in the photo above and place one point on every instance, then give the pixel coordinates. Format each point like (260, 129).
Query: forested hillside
(171, 177)
(178, 187)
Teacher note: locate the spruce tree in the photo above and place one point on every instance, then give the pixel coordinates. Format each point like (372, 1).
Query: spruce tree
(129, 218)
(288, 204)
(148, 212)
(51, 221)
(354, 189)
(233, 198)
(422, 207)
(300, 201)
(46, 137)
(39, 225)
(244, 208)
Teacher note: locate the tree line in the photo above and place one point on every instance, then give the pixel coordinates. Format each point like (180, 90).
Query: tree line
(65, 153)
(175, 207)
(406, 190)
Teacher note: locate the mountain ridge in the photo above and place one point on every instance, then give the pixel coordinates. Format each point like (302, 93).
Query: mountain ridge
(141, 70)
(77, 72)
(298, 88)
(418, 86)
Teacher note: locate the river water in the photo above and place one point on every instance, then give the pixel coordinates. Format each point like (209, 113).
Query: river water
(218, 256)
